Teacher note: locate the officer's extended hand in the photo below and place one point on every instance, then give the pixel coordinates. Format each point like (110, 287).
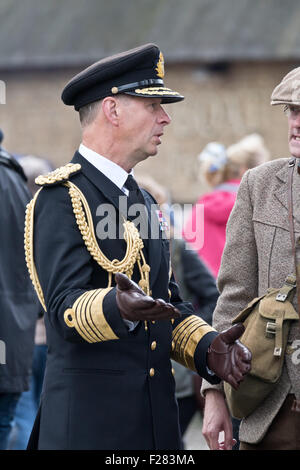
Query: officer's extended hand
(135, 305)
(228, 358)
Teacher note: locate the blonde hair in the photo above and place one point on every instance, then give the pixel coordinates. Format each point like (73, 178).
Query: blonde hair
(218, 164)
(249, 151)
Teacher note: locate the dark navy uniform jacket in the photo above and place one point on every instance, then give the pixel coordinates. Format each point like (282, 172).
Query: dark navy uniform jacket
(105, 387)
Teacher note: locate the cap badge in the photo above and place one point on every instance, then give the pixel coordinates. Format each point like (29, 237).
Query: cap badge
(160, 66)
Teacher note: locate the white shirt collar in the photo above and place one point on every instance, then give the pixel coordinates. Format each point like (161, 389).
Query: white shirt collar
(111, 170)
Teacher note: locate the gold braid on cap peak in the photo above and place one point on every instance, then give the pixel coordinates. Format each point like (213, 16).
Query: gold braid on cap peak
(134, 254)
(156, 91)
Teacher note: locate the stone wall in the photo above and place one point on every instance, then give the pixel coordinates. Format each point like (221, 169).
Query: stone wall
(222, 107)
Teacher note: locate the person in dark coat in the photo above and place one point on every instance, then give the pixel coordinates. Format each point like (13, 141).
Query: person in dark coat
(114, 316)
(18, 303)
(196, 285)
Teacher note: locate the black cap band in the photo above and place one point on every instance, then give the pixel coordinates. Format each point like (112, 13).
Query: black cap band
(130, 86)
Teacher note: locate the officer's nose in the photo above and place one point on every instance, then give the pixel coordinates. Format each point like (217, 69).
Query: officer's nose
(164, 116)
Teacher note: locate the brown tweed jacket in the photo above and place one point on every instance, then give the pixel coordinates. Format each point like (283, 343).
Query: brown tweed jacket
(257, 256)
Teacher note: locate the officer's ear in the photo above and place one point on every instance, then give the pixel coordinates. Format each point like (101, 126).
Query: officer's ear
(110, 108)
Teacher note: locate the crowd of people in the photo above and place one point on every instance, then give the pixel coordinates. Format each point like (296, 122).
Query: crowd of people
(115, 342)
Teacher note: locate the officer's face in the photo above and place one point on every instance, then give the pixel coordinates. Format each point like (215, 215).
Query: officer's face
(143, 124)
(294, 130)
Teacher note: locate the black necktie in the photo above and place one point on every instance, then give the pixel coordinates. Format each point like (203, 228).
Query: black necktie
(135, 196)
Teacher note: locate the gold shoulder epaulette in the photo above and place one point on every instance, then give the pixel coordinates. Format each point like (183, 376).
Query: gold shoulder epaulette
(59, 175)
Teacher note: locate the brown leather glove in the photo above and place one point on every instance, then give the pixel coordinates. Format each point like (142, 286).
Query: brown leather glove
(135, 305)
(228, 358)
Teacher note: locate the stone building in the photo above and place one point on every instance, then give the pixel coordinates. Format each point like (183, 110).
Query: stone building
(225, 56)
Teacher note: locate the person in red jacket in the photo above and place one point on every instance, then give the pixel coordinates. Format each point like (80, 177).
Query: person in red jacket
(221, 169)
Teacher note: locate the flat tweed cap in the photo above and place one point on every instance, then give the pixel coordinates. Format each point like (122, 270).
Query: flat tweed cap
(137, 72)
(288, 90)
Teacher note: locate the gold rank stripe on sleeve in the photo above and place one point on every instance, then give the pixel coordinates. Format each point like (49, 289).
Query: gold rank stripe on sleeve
(87, 317)
(185, 339)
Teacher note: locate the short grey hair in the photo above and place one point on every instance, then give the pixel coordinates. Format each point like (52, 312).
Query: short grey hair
(88, 113)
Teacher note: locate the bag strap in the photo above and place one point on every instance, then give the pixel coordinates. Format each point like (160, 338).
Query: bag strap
(291, 227)
(292, 162)
(287, 288)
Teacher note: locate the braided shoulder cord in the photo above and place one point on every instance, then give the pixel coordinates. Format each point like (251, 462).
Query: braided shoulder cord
(131, 235)
(28, 245)
(86, 227)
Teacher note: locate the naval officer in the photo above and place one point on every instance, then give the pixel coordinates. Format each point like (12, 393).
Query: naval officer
(114, 316)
